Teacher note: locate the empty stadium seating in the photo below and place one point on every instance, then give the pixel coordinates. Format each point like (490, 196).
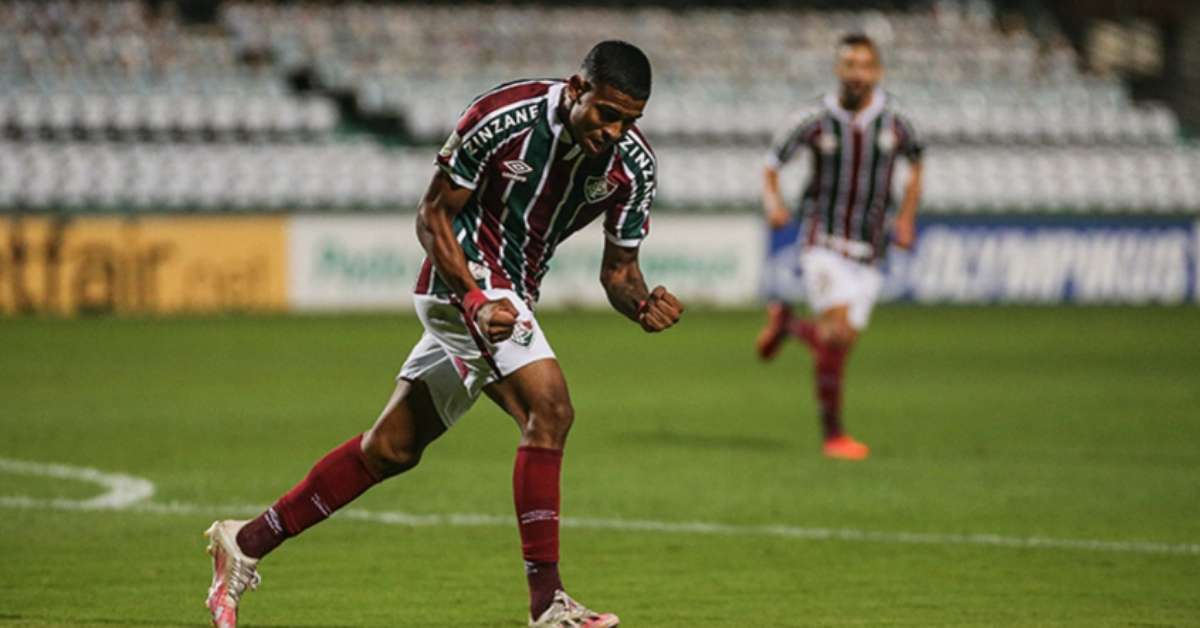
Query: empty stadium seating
(110, 105)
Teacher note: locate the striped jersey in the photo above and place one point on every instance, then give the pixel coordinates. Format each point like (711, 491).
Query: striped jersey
(848, 197)
(533, 187)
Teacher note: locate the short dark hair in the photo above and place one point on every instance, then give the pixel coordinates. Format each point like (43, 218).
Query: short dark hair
(860, 39)
(621, 65)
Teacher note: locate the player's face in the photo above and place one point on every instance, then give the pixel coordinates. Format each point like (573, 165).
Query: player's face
(599, 115)
(858, 71)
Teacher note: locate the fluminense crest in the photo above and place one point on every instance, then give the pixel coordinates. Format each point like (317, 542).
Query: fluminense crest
(598, 188)
(523, 333)
(887, 140)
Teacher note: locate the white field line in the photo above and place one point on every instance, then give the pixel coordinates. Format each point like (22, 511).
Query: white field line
(122, 490)
(128, 493)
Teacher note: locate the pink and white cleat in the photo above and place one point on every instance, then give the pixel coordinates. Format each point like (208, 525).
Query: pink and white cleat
(567, 613)
(233, 572)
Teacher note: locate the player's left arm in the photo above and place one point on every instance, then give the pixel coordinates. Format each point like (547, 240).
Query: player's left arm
(913, 149)
(906, 220)
(621, 276)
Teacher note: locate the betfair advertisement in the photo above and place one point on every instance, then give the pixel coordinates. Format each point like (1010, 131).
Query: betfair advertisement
(153, 265)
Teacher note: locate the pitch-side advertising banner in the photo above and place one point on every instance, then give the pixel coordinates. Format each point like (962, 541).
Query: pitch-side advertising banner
(372, 262)
(172, 264)
(352, 262)
(1021, 260)
(153, 265)
(715, 260)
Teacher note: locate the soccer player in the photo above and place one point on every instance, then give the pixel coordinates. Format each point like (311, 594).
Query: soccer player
(847, 208)
(529, 163)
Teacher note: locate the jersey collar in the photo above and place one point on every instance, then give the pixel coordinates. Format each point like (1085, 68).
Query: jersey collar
(554, 98)
(862, 118)
(558, 128)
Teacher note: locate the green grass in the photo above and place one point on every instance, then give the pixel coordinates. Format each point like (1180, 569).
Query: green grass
(1021, 422)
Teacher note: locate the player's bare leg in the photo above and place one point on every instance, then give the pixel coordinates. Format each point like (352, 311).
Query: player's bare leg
(775, 330)
(536, 397)
(407, 424)
(835, 337)
(833, 327)
(805, 330)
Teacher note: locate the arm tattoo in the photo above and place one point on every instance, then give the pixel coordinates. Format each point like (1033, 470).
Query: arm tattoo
(622, 279)
(627, 294)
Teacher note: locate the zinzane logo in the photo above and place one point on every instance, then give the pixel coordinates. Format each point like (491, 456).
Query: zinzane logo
(516, 170)
(497, 127)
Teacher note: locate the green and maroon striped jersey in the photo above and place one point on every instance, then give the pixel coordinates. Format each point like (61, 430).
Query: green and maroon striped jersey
(849, 191)
(534, 186)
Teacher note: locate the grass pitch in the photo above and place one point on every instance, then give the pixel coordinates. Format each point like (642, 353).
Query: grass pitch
(1030, 467)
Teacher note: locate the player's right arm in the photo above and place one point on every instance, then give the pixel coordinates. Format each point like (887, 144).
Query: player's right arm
(461, 164)
(435, 230)
(773, 204)
(781, 152)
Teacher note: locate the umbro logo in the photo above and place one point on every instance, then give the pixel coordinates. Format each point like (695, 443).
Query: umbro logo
(516, 170)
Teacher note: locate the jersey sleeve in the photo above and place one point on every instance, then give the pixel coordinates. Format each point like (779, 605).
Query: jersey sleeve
(627, 223)
(786, 145)
(911, 145)
(489, 121)
(462, 165)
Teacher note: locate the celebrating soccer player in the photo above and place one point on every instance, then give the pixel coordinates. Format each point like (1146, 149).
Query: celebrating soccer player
(529, 163)
(847, 208)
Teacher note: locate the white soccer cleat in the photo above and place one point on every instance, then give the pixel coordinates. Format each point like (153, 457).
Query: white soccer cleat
(567, 613)
(233, 572)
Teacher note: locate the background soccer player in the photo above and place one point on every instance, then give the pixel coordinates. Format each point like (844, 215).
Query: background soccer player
(529, 163)
(847, 205)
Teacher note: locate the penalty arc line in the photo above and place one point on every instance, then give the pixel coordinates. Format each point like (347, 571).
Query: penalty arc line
(131, 494)
(122, 490)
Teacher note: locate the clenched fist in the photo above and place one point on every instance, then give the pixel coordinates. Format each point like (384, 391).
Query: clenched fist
(494, 318)
(659, 311)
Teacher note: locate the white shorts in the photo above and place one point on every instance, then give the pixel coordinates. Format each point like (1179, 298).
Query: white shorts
(456, 362)
(832, 280)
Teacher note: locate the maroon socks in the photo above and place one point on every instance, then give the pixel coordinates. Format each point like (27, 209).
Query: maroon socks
(536, 475)
(830, 365)
(342, 475)
(543, 582)
(806, 330)
(828, 368)
(336, 480)
(263, 534)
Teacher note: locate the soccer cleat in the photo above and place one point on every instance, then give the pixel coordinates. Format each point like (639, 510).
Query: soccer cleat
(567, 613)
(233, 572)
(845, 448)
(771, 338)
